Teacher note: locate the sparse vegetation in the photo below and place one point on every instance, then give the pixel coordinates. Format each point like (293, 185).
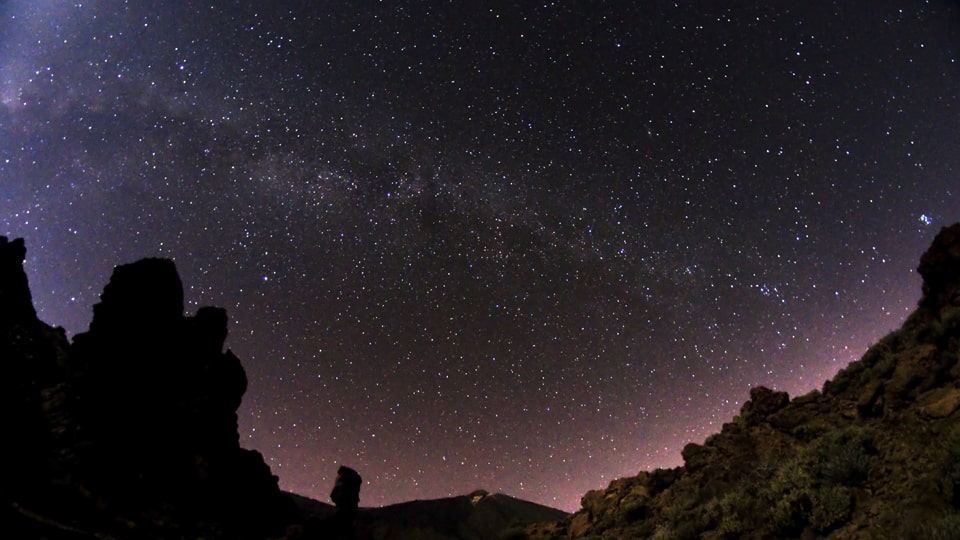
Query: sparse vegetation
(844, 378)
(877, 363)
(831, 507)
(845, 457)
(737, 509)
(788, 496)
(810, 431)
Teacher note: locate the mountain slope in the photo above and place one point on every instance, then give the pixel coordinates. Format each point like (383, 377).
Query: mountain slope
(875, 454)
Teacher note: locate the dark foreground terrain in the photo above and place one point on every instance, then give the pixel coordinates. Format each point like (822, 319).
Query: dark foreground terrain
(130, 431)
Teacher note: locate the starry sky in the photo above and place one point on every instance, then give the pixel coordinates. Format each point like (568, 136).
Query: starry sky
(526, 247)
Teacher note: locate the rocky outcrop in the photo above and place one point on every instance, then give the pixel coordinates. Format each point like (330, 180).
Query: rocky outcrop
(158, 395)
(346, 495)
(940, 270)
(875, 454)
(33, 357)
(14, 290)
(131, 430)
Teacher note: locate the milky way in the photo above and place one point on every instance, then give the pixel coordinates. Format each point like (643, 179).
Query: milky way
(528, 249)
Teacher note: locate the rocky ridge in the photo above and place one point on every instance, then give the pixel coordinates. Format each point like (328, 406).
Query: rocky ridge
(875, 454)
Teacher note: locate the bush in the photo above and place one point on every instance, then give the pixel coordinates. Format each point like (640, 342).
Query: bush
(876, 353)
(951, 323)
(661, 479)
(633, 511)
(789, 497)
(808, 432)
(845, 457)
(736, 509)
(877, 363)
(814, 488)
(831, 508)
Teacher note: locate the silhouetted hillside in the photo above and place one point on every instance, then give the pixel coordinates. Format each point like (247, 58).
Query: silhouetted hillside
(874, 455)
(131, 432)
(477, 516)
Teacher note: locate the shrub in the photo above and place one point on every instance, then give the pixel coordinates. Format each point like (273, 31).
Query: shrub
(844, 378)
(736, 509)
(831, 507)
(883, 364)
(951, 323)
(633, 511)
(789, 497)
(808, 432)
(661, 479)
(876, 353)
(845, 457)
(789, 514)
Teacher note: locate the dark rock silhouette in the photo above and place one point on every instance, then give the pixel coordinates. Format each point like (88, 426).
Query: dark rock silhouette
(131, 432)
(33, 355)
(763, 403)
(346, 495)
(133, 423)
(876, 454)
(14, 291)
(940, 269)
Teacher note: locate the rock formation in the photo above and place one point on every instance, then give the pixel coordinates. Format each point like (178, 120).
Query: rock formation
(875, 454)
(33, 355)
(131, 430)
(346, 495)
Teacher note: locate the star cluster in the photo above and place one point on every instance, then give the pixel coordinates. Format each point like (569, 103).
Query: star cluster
(525, 248)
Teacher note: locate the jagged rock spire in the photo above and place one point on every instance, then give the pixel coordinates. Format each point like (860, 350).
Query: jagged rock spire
(15, 302)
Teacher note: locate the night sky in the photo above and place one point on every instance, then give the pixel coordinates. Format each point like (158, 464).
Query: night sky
(525, 247)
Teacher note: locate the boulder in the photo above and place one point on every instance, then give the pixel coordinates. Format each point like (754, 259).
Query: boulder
(939, 403)
(763, 402)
